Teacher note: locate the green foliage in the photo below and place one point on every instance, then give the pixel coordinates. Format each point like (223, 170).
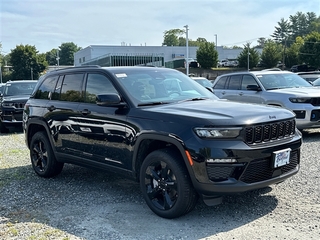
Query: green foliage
(310, 50)
(171, 37)
(292, 53)
(66, 53)
(253, 57)
(26, 62)
(271, 54)
(51, 57)
(174, 37)
(207, 56)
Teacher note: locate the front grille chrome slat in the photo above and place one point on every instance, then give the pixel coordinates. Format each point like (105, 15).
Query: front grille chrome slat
(259, 134)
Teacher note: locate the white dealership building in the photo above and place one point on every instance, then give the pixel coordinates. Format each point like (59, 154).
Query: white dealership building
(161, 56)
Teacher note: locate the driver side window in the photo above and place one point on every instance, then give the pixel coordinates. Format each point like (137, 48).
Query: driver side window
(97, 84)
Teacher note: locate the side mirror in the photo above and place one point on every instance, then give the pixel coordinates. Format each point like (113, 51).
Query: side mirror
(253, 88)
(109, 100)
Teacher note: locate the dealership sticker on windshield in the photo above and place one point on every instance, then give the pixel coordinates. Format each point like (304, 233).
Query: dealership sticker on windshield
(281, 157)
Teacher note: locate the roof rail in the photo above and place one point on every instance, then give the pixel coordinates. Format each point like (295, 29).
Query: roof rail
(84, 66)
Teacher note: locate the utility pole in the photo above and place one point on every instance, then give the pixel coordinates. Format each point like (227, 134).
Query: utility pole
(187, 45)
(58, 58)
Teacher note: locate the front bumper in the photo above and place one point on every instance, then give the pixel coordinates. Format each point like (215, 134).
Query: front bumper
(11, 117)
(253, 169)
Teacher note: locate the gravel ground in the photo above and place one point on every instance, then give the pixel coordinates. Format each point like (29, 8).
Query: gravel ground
(84, 204)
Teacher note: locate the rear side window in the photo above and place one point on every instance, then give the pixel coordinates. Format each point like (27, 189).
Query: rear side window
(47, 88)
(220, 83)
(235, 82)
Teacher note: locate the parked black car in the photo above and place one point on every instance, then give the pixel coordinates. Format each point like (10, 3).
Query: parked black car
(161, 128)
(12, 99)
(302, 68)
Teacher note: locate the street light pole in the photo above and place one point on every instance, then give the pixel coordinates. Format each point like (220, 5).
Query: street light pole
(248, 58)
(216, 35)
(58, 58)
(187, 45)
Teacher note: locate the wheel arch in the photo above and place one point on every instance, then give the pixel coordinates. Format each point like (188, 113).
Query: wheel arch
(147, 143)
(34, 126)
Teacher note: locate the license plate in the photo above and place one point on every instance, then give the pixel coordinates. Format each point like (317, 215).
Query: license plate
(281, 157)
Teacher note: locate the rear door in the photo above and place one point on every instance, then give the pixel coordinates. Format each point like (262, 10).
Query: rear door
(61, 112)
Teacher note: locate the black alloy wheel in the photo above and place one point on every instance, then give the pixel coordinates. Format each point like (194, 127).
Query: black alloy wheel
(42, 157)
(166, 185)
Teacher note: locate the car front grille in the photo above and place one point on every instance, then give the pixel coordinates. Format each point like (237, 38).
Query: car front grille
(261, 169)
(269, 132)
(315, 101)
(19, 105)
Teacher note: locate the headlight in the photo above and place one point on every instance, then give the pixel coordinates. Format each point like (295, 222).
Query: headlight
(217, 132)
(7, 104)
(300, 100)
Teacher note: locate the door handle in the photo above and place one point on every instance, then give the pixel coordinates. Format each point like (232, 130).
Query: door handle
(51, 108)
(241, 93)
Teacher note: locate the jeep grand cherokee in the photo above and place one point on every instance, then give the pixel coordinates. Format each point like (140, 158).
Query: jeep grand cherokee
(12, 99)
(161, 128)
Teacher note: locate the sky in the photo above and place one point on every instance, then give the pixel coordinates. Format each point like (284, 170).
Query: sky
(46, 24)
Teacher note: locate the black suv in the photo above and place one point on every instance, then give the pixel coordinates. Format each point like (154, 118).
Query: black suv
(161, 128)
(13, 96)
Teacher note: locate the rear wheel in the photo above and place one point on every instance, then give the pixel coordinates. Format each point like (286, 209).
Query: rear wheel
(42, 157)
(166, 185)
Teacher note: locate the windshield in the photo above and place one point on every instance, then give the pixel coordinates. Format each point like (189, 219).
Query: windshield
(283, 80)
(158, 86)
(18, 88)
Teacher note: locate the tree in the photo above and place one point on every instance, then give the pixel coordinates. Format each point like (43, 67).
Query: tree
(261, 42)
(271, 54)
(310, 50)
(26, 62)
(282, 31)
(253, 56)
(292, 54)
(171, 37)
(51, 57)
(207, 56)
(66, 53)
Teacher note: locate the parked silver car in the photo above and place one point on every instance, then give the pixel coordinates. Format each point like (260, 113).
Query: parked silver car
(309, 76)
(278, 88)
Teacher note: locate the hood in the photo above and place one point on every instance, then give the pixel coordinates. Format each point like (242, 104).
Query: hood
(16, 98)
(221, 112)
(302, 91)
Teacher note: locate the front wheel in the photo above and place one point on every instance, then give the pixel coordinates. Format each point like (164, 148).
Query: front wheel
(166, 185)
(42, 157)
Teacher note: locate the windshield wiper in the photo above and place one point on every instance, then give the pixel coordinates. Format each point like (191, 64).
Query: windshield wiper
(195, 99)
(151, 103)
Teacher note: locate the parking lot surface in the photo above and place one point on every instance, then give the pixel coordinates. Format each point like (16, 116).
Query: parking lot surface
(84, 204)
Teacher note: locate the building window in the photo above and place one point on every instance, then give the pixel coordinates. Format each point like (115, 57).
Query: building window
(79, 60)
(83, 59)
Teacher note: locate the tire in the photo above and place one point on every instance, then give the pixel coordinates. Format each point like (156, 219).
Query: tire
(42, 157)
(166, 185)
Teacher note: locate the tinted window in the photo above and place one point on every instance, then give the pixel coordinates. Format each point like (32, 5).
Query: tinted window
(47, 88)
(221, 83)
(234, 82)
(71, 88)
(247, 80)
(97, 84)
